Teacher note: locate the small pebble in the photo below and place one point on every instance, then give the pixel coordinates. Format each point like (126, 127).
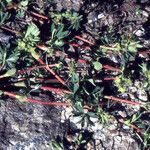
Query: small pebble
(100, 16)
(142, 95)
(145, 14)
(118, 138)
(147, 8)
(122, 114)
(90, 21)
(99, 135)
(139, 32)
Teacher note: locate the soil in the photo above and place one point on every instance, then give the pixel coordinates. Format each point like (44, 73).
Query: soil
(30, 126)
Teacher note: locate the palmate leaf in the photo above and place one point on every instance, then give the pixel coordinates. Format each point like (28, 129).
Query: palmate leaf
(32, 30)
(10, 73)
(8, 1)
(24, 3)
(4, 17)
(61, 33)
(8, 59)
(57, 145)
(97, 65)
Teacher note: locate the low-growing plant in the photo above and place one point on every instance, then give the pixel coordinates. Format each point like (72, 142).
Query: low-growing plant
(22, 7)
(73, 17)
(80, 140)
(29, 39)
(123, 83)
(3, 17)
(57, 38)
(146, 139)
(135, 118)
(86, 94)
(57, 145)
(84, 114)
(8, 59)
(146, 74)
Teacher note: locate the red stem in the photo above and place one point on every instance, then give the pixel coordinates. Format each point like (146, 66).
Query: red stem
(144, 52)
(52, 72)
(122, 100)
(36, 67)
(82, 61)
(10, 30)
(38, 15)
(107, 67)
(84, 40)
(42, 47)
(57, 90)
(107, 79)
(49, 80)
(48, 103)
(139, 130)
(13, 95)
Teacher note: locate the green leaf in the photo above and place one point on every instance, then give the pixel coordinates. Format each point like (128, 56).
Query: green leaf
(97, 65)
(78, 107)
(92, 114)
(1, 92)
(139, 45)
(24, 3)
(132, 49)
(57, 145)
(4, 17)
(8, 1)
(92, 82)
(10, 73)
(32, 30)
(52, 27)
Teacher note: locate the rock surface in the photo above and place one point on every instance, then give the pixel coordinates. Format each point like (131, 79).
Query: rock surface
(28, 126)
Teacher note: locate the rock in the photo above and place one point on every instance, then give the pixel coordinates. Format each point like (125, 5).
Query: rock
(5, 38)
(147, 8)
(100, 16)
(117, 138)
(146, 14)
(139, 32)
(122, 114)
(69, 4)
(141, 94)
(28, 126)
(99, 135)
(66, 114)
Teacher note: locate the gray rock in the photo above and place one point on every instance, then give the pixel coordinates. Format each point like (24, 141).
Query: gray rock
(28, 126)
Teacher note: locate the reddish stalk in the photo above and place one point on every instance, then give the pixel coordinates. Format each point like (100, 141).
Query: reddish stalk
(22, 79)
(36, 67)
(13, 95)
(144, 52)
(107, 67)
(10, 30)
(42, 47)
(84, 40)
(38, 15)
(39, 79)
(52, 72)
(82, 61)
(111, 78)
(123, 100)
(139, 130)
(57, 90)
(48, 80)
